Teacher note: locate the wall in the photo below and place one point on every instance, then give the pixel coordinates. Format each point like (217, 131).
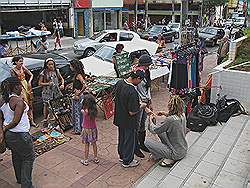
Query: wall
(235, 84)
(33, 2)
(107, 3)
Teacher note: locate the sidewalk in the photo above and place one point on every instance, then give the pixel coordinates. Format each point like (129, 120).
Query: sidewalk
(217, 158)
(67, 42)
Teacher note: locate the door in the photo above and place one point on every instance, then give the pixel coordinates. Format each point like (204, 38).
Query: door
(80, 22)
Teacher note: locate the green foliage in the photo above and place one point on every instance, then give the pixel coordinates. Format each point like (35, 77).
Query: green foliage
(247, 32)
(212, 3)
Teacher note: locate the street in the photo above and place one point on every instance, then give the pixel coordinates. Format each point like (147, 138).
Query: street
(67, 49)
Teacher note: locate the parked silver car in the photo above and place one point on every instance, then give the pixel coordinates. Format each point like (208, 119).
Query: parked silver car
(88, 46)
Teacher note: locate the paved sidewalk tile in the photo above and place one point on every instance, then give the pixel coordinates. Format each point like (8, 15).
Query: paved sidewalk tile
(181, 171)
(221, 148)
(207, 169)
(228, 180)
(189, 160)
(209, 134)
(242, 155)
(170, 182)
(213, 157)
(204, 142)
(225, 139)
(197, 150)
(148, 182)
(159, 172)
(236, 167)
(197, 180)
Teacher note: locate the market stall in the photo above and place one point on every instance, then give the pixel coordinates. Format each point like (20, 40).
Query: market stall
(47, 139)
(21, 43)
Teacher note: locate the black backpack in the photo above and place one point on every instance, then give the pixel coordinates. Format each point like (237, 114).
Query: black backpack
(229, 108)
(201, 116)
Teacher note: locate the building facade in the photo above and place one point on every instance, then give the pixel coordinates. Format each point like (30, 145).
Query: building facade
(14, 13)
(106, 14)
(170, 10)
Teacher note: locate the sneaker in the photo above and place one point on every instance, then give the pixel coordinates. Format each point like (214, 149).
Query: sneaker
(138, 153)
(85, 162)
(134, 163)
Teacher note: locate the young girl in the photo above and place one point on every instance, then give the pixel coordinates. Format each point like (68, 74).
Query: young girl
(89, 131)
(52, 84)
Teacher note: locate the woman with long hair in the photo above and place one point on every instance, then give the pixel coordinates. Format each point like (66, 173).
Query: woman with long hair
(78, 89)
(171, 131)
(52, 83)
(14, 123)
(20, 71)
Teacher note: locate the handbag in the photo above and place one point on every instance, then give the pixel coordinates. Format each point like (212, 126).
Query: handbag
(229, 108)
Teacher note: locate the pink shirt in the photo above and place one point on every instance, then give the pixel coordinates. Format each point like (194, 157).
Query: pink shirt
(87, 122)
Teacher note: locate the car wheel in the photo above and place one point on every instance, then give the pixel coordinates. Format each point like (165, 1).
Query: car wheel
(89, 52)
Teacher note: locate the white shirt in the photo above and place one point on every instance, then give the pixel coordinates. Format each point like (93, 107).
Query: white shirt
(8, 114)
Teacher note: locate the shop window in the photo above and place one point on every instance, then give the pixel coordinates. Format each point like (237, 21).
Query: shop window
(126, 36)
(110, 37)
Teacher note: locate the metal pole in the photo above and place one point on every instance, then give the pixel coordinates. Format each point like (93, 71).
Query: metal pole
(136, 10)
(146, 14)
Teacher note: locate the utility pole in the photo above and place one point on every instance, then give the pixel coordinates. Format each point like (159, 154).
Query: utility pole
(136, 10)
(146, 14)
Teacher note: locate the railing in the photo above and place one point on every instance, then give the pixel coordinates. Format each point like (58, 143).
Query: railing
(33, 2)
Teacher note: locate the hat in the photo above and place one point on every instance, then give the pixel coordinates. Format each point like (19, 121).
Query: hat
(138, 73)
(145, 60)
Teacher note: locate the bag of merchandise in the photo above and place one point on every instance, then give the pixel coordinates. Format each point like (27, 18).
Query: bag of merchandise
(228, 108)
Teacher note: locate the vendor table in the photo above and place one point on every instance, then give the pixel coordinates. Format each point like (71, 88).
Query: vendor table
(21, 44)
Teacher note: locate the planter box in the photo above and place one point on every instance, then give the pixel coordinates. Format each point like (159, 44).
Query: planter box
(234, 83)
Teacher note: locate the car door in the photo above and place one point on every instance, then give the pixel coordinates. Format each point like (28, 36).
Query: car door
(166, 33)
(109, 37)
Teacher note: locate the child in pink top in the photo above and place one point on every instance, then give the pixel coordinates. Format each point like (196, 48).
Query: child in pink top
(89, 128)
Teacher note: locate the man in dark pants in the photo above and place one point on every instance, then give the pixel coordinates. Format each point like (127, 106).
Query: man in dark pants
(127, 108)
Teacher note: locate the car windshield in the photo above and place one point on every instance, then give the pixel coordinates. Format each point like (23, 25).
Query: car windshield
(209, 30)
(4, 70)
(105, 53)
(154, 29)
(97, 35)
(174, 25)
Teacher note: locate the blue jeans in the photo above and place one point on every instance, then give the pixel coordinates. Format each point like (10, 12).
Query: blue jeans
(23, 156)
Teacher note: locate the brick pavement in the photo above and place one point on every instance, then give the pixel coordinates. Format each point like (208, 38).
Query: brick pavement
(61, 166)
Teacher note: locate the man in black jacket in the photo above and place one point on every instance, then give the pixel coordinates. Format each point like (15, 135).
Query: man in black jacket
(127, 108)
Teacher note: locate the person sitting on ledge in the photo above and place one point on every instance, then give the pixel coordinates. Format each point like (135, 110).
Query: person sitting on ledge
(171, 131)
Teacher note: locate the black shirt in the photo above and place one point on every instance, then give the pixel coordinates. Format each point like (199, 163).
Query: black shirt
(126, 100)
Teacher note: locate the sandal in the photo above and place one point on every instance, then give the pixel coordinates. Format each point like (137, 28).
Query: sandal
(85, 162)
(167, 163)
(96, 160)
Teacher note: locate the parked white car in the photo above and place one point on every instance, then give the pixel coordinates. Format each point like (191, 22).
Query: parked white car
(88, 46)
(100, 63)
(176, 27)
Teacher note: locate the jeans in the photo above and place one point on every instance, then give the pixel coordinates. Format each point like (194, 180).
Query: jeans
(77, 116)
(23, 156)
(126, 144)
(141, 129)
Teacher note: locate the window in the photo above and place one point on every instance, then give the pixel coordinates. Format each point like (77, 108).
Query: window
(126, 36)
(110, 37)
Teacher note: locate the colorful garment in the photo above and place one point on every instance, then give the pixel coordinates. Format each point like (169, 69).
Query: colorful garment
(26, 93)
(50, 92)
(89, 134)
